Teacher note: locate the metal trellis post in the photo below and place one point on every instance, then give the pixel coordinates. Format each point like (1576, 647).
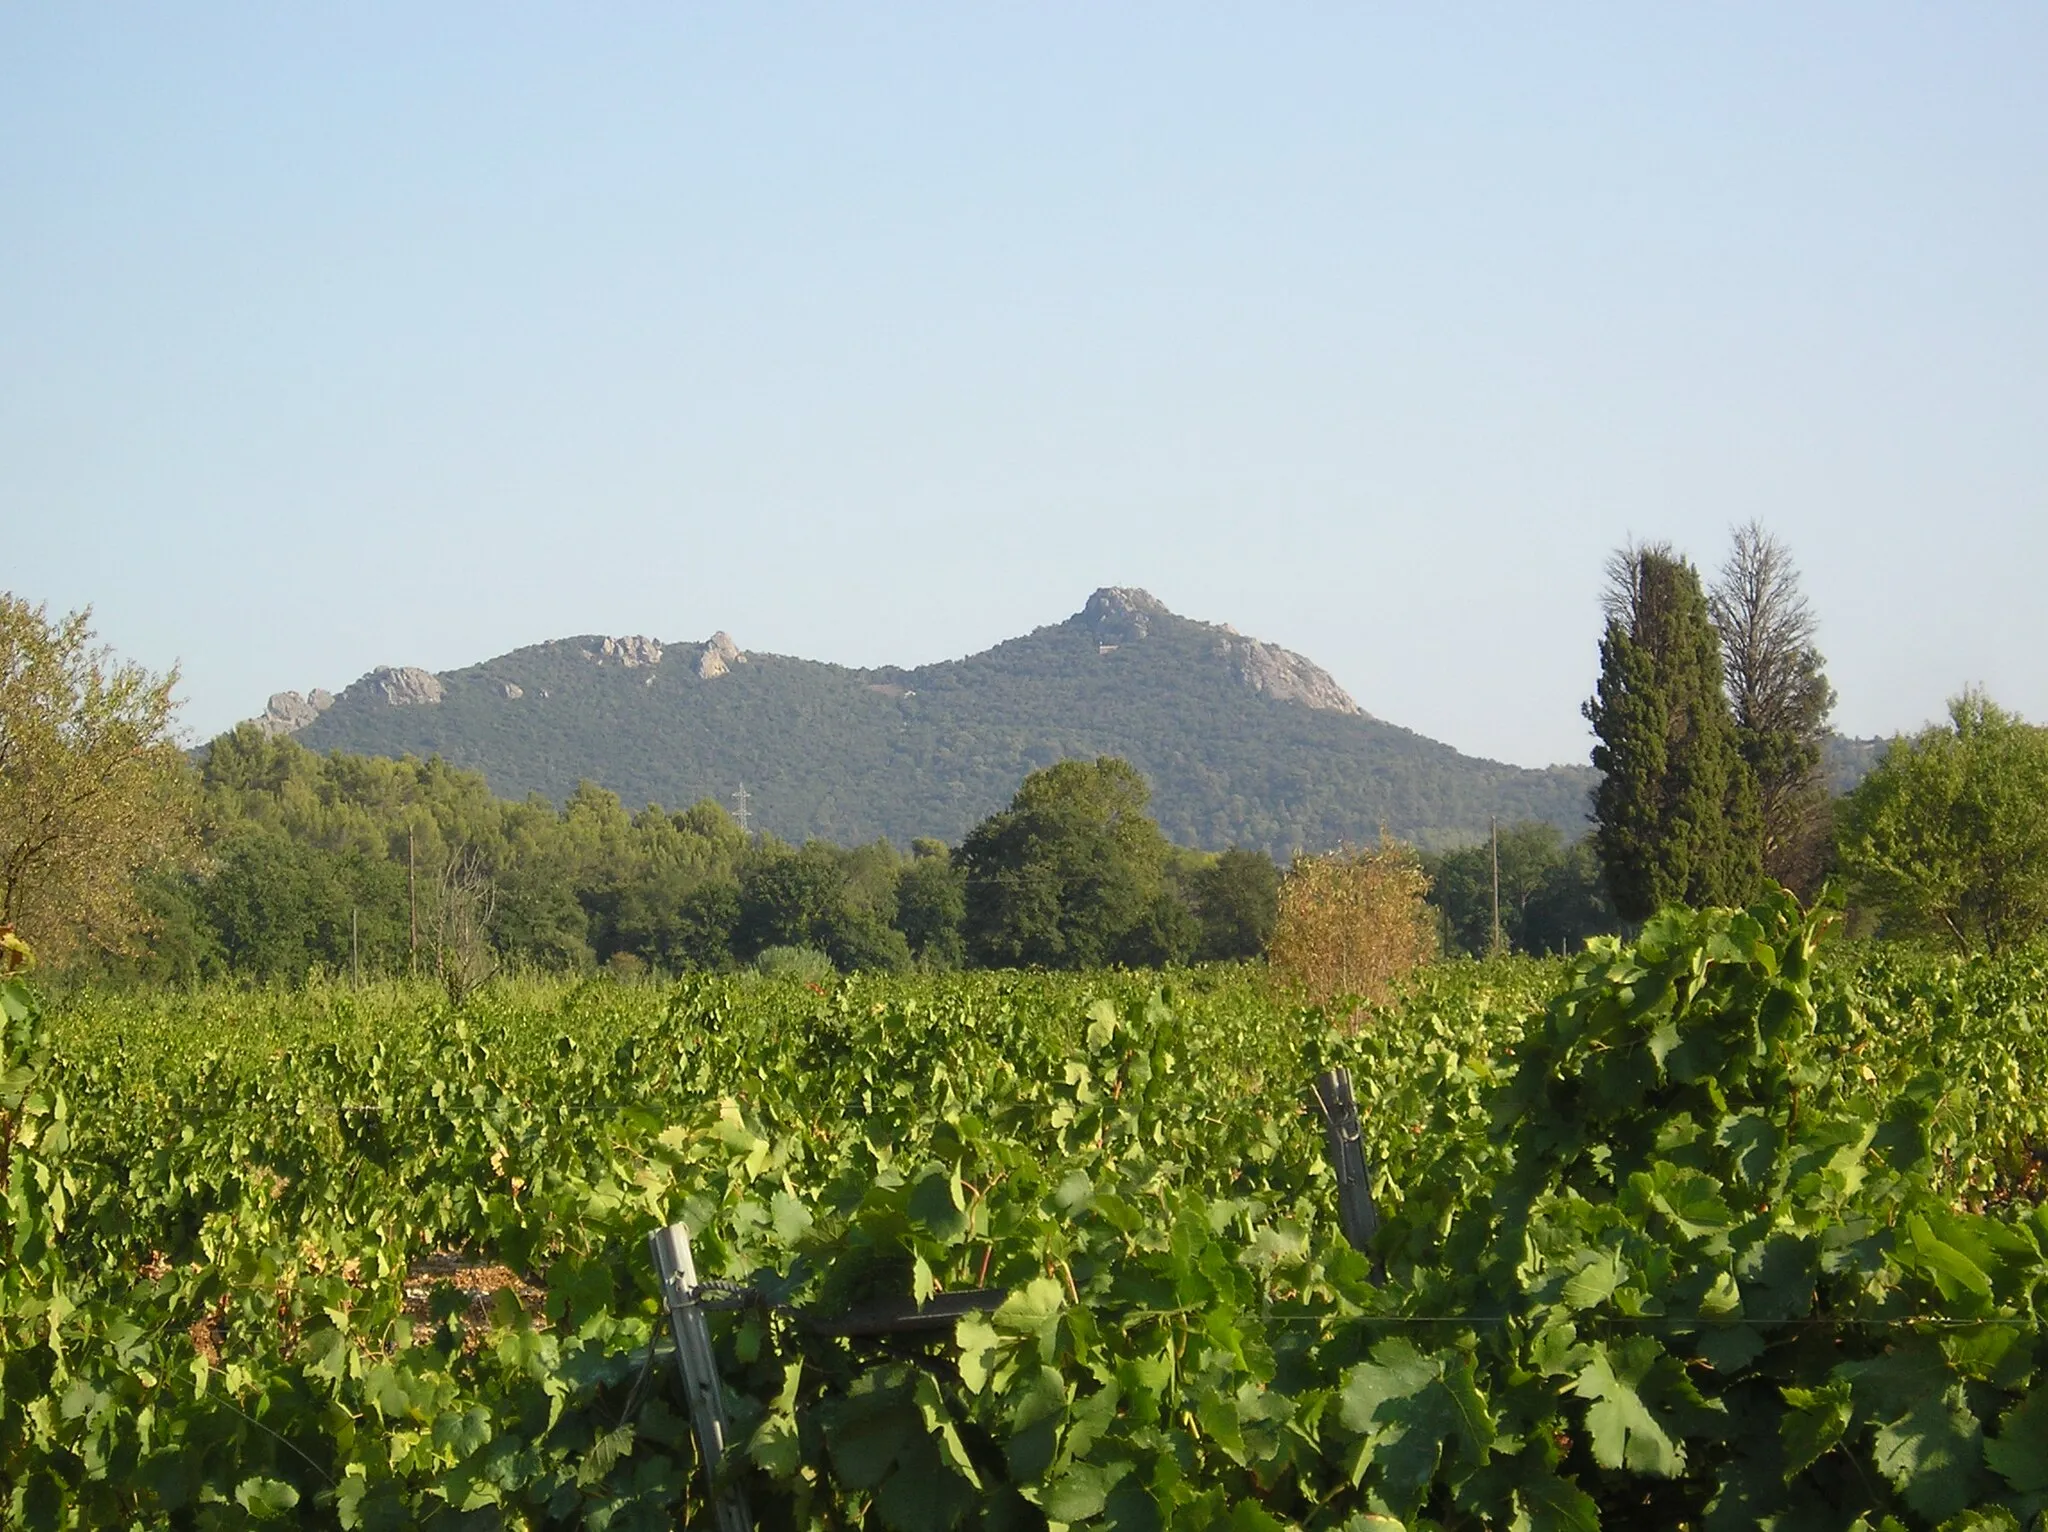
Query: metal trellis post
(1345, 1140)
(698, 1365)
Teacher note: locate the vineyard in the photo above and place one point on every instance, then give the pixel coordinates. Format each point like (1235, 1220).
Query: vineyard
(1726, 1228)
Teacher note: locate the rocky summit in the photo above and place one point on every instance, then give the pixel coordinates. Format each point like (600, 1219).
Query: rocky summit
(1244, 742)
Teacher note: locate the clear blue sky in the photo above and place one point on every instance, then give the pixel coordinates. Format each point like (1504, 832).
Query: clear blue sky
(877, 333)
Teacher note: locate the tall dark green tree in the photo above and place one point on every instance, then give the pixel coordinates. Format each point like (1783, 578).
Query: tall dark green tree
(805, 898)
(1675, 817)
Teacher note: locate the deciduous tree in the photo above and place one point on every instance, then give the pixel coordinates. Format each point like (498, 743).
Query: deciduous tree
(931, 902)
(93, 789)
(1071, 874)
(1949, 835)
(1237, 898)
(1779, 692)
(1351, 923)
(805, 898)
(1551, 894)
(465, 904)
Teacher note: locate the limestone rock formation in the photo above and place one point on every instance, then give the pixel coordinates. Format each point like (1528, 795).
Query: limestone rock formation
(1287, 677)
(718, 655)
(398, 686)
(629, 653)
(1121, 614)
(512, 690)
(288, 712)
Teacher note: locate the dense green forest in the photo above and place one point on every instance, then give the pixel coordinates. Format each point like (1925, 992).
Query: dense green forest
(345, 863)
(1244, 744)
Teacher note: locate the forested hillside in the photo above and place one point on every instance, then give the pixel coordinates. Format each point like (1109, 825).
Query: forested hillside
(1243, 742)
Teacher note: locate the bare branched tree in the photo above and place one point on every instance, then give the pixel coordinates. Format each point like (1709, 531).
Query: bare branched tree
(1781, 699)
(1627, 591)
(1767, 638)
(465, 901)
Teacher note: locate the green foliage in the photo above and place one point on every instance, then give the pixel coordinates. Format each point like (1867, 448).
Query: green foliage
(278, 906)
(1237, 900)
(36, 1193)
(806, 899)
(330, 864)
(1552, 895)
(91, 781)
(1072, 875)
(1675, 813)
(1949, 835)
(1731, 1250)
(851, 756)
(931, 906)
(1680, 1234)
(806, 964)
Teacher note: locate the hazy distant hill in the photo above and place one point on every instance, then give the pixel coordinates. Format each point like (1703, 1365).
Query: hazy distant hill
(1244, 742)
(1848, 761)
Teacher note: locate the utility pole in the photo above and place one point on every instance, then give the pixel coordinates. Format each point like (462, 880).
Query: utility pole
(355, 947)
(1494, 825)
(412, 901)
(740, 812)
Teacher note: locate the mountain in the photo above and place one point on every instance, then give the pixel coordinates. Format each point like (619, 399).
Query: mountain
(1244, 742)
(1848, 761)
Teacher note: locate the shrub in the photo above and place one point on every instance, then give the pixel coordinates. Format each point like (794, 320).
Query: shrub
(1352, 922)
(806, 963)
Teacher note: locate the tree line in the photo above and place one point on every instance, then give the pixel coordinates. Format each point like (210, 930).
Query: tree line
(343, 863)
(263, 860)
(350, 863)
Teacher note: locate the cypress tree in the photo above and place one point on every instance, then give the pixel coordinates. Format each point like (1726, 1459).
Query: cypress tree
(1675, 815)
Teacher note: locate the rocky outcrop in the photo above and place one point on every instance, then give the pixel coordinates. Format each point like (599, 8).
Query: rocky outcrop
(398, 686)
(1286, 676)
(1121, 614)
(710, 659)
(718, 655)
(512, 690)
(629, 653)
(288, 712)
